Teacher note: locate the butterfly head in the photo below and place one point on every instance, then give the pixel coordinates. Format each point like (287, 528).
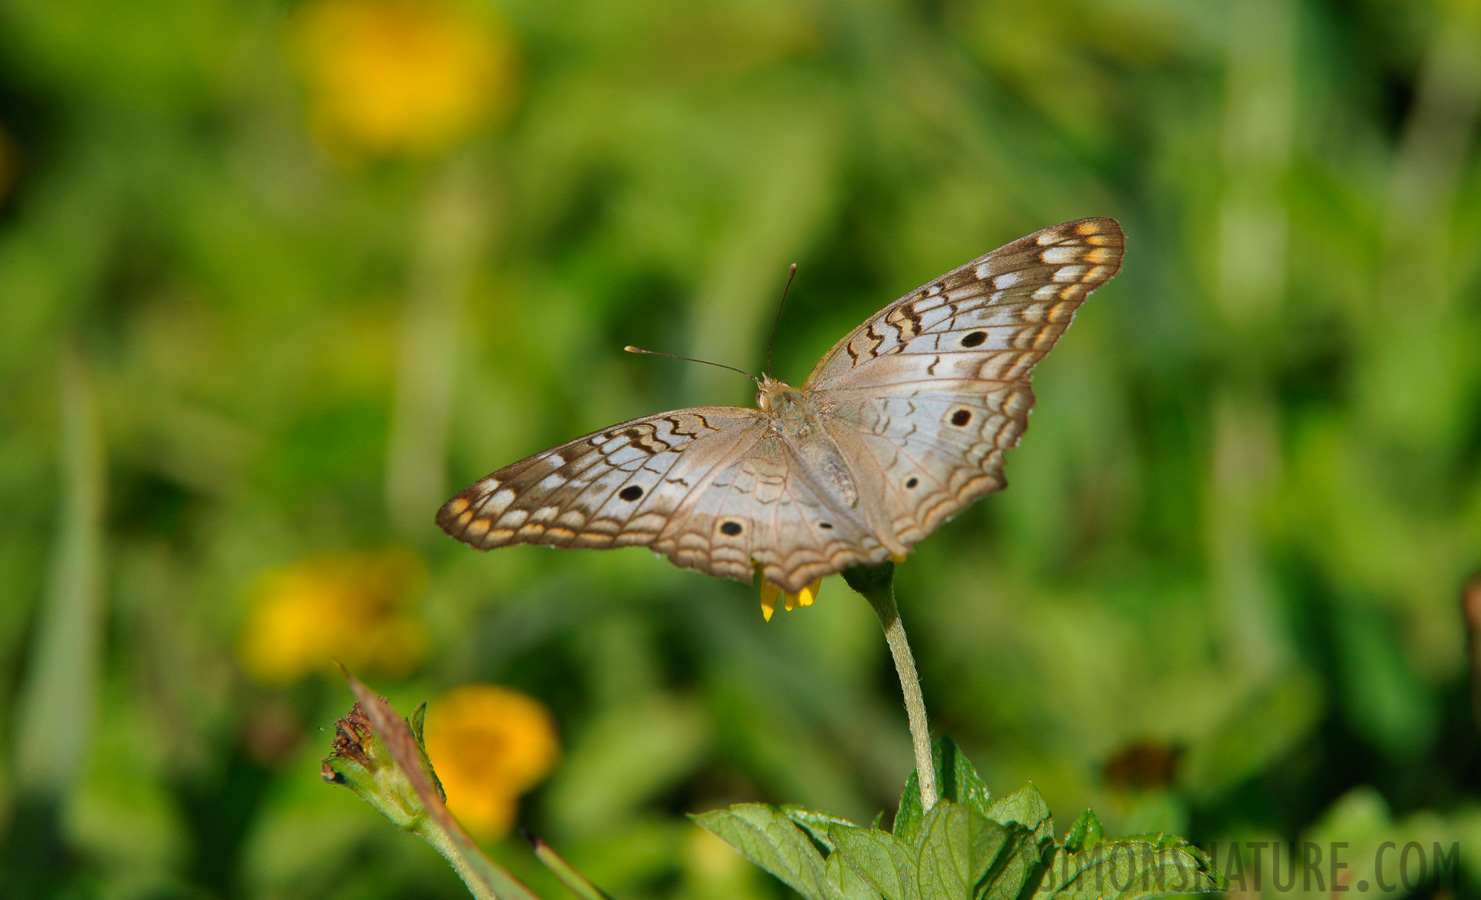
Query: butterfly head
(774, 395)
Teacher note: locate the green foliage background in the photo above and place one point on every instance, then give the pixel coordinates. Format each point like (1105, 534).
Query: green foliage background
(1237, 529)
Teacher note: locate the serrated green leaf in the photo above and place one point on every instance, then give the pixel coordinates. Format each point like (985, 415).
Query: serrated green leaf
(1030, 845)
(883, 860)
(847, 879)
(956, 780)
(771, 840)
(1157, 839)
(957, 847)
(1084, 834)
(1130, 870)
(1018, 868)
(816, 824)
(1025, 807)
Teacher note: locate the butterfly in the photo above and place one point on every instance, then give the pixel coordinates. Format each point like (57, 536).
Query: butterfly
(899, 427)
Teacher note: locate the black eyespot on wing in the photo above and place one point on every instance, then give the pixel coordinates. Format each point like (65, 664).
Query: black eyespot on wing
(825, 524)
(630, 493)
(912, 481)
(730, 528)
(974, 339)
(961, 417)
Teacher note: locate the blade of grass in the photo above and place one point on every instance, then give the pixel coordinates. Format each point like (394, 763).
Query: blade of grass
(566, 873)
(59, 695)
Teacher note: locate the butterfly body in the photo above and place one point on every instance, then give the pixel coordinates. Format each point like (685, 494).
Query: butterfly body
(795, 417)
(900, 426)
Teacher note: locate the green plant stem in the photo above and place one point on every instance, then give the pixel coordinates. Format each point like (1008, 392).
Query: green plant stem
(877, 585)
(444, 843)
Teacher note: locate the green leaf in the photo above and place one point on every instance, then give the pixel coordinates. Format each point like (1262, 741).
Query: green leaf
(847, 879)
(881, 859)
(773, 841)
(1084, 834)
(416, 722)
(1130, 870)
(957, 847)
(1030, 844)
(1024, 807)
(816, 824)
(956, 780)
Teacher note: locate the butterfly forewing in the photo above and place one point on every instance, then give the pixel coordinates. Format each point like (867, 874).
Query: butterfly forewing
(938, 382)
(1005, 309)
(615, 487)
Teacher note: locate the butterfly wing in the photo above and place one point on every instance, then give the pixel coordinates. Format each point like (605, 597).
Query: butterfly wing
(616, 487)
(927, 394)
(763, 506)
(709, 488)
(921, 400)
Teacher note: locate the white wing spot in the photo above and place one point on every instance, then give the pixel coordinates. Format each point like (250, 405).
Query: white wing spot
(984, 270)
(934, 290)
(1055, 256)
(500, 501)
(1069, 273)
(544, 513)
(1047, 292)
(514, 518)
(1006, 280)
(1047, 238)
(556, 459)
(552, 481)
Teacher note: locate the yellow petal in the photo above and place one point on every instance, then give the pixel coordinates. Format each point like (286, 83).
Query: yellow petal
(769, 595)
(804, 597)
(490, 744)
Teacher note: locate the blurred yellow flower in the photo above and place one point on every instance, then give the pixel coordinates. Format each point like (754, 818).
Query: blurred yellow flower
(350, 608)
(489, 744)
(401, 77)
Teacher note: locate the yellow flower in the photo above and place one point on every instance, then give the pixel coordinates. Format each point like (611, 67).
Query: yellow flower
(770, 593)
(349, 608)
(489, 744)
(400, 77)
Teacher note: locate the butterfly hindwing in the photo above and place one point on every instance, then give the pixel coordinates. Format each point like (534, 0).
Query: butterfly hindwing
(763, 506)
(935, 449)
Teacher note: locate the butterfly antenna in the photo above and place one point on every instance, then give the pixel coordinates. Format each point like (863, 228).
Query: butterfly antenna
(791, 273)
(704, 362)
